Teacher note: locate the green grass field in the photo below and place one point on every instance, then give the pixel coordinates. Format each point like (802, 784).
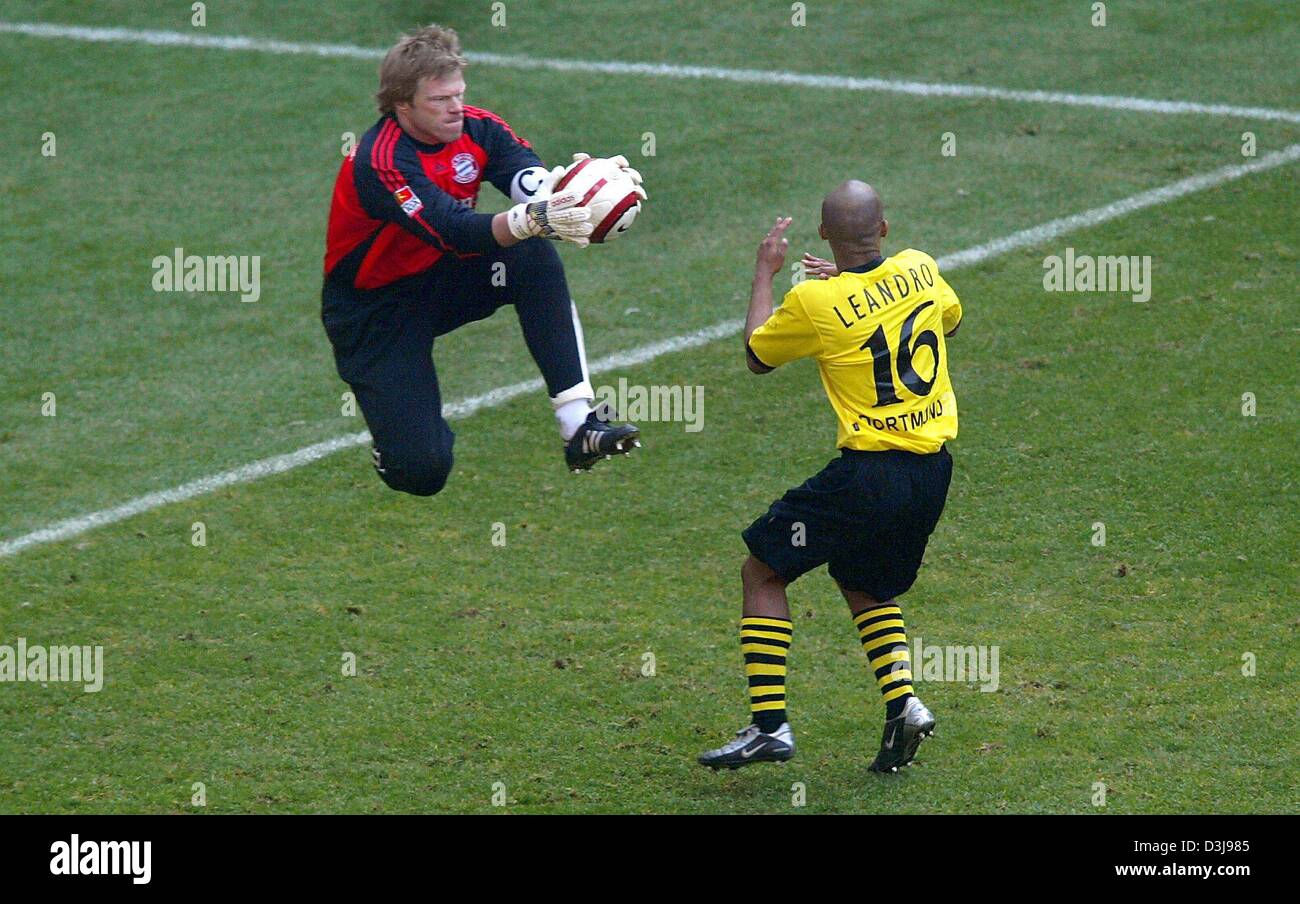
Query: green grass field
(521, 664)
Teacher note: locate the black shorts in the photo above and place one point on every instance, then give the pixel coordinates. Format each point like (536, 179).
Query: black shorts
(868, 514)
(383, 347)
(379, 330)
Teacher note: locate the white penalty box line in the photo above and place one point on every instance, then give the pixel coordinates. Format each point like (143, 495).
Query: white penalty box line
(659, 70)
(278, 464)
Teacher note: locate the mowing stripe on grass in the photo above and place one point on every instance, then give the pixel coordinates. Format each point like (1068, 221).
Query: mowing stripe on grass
(1164, 194)
(642, 354)
(278, 464)
(659, 70)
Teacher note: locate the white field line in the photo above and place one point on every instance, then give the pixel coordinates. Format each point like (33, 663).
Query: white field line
(278, 464)
(660, 70)
(1162, 195)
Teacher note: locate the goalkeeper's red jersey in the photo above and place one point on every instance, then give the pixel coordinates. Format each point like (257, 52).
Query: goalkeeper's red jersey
(400, 204)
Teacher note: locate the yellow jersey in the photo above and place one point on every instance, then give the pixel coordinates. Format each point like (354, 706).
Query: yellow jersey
(877, 334)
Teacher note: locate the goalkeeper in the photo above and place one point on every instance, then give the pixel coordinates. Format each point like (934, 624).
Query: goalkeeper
(407, 260)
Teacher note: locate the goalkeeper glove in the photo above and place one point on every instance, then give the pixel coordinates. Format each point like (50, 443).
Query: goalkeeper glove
(554, 218)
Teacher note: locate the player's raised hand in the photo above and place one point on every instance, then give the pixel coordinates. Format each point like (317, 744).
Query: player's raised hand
(818, 268)
(771, 251)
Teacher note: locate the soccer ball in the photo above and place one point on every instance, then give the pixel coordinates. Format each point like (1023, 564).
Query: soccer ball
(607, 192)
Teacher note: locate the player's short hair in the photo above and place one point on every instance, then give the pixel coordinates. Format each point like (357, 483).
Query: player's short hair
(429, 51)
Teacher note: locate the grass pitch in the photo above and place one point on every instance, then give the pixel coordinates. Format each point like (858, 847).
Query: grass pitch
(522, 664)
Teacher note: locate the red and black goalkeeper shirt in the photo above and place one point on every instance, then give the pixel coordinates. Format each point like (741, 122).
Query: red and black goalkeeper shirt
(399, 204)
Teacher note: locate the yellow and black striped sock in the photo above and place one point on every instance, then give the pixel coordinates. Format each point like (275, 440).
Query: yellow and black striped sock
(885, 640)
(765, 643)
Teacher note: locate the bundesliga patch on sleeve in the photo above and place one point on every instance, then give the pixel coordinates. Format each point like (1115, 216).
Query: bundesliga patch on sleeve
(409, 200)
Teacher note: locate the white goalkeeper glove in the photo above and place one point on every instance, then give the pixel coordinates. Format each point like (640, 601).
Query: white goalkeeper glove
(554, 218)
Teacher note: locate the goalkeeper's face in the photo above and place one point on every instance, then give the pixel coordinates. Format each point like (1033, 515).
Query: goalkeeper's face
(436, 114)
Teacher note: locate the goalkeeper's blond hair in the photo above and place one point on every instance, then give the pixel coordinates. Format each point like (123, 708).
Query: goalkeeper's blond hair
(429, 51)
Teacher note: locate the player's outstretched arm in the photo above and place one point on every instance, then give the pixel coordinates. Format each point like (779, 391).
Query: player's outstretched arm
(760, 309)
(770, 260)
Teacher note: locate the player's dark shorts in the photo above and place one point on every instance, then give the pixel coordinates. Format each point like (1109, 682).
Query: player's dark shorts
(383, 347)
(868, 515)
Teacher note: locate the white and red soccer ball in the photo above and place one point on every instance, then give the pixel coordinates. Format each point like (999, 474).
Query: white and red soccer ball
(605, 190)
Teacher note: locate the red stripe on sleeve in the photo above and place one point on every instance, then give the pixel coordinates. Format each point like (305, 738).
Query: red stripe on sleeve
(378, 158)
(392, 176)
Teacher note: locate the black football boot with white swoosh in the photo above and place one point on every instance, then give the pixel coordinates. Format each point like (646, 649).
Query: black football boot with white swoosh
(598, 439)
(751, 746)
(903, 734)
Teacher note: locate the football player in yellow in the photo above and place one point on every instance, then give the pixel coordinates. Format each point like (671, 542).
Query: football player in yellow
(876, 327)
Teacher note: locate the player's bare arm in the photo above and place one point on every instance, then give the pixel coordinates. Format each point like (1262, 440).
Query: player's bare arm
(770, 260)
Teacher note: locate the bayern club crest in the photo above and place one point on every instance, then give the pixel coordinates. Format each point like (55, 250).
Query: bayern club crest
(464, 168)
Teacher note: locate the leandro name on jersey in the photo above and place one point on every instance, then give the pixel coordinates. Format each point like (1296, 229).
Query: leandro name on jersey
(877, 334)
